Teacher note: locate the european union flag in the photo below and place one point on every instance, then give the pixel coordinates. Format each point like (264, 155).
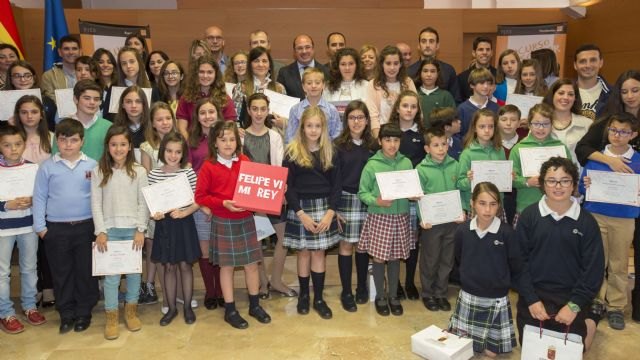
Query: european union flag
(55, 27)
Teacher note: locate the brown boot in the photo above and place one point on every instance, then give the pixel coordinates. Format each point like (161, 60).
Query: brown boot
(111, 331)
(130, 317)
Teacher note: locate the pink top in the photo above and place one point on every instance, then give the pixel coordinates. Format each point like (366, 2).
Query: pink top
(185, 109)
(33, 152)
(197, 156)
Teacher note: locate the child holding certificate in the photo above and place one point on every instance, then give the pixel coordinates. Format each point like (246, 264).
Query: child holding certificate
(386, 233)
(17, 228)
(233, 230)
(539, 136)
(175, 241)
(438, 173)
(510, 133)
(483, 310)
(119, 214)
(616, 221)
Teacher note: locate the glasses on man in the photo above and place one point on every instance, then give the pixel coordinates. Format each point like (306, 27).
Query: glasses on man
(171, 74)
(563, 182)
(26, 76)
(620, 132)
(539, 125)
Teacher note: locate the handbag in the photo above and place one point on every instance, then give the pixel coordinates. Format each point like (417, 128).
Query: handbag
(539, 344)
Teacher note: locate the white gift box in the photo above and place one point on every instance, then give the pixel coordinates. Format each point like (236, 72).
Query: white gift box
(434, 344)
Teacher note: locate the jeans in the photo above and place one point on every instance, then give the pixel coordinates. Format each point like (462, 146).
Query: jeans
(112, 282)
(27, 249)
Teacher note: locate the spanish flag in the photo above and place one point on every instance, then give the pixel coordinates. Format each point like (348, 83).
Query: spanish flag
(8, 29)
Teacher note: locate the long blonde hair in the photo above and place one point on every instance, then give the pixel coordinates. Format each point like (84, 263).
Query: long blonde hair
(298, 149)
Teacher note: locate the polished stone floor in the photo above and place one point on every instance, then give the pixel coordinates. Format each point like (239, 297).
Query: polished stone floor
(360, 335)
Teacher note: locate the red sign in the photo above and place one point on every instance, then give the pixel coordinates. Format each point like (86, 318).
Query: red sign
(260, 187)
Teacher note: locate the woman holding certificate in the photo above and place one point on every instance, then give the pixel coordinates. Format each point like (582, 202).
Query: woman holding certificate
(119, 214)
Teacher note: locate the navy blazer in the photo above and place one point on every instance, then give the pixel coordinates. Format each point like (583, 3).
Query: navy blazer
(289, 77)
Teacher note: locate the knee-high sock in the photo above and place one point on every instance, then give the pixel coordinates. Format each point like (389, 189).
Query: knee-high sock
(362, 269)
(304, 285)
(318, 285)
(410, 267)
(345, 265)
(378, 279)
(393, 272)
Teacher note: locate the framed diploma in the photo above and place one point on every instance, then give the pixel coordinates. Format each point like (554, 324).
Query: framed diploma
(120, 258)
(613, 187)
(498, 172)
(17, 181)
(168, 195)
(531, 159)
(401, 184)
(441, 208)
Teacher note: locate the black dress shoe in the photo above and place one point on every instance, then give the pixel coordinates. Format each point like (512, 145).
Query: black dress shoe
(303, 304)
(234, 319)
(189, 315)
(47, 304)
(321, 307)
(66, 325)
(362, 296)
(82, 323)
(382, 307)
(220, 302)
(412, 292)
(396, 307)
(211, 303)
(443, 304)
(259, 314)
(168, 317)
(400, 293)
(348, 303)
(431, 303)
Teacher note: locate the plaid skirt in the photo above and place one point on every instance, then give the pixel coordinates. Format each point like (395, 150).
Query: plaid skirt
(203, 225)
(234, 242)
(387, 236)
(487, 321)
(297, 237)
(354, 212)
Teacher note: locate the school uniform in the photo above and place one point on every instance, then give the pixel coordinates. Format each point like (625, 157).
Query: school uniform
(412, 146)
(474, 152)
(467, 109)
(464, 89)
(431, 99)
(509, 199)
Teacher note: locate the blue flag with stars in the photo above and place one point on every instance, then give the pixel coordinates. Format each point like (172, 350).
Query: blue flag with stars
(55, 27)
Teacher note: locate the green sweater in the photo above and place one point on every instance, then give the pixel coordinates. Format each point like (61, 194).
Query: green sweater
(93, 139)
(437, 99)
(474, 152)
(437, 177)
(369, 190)
(529, 195)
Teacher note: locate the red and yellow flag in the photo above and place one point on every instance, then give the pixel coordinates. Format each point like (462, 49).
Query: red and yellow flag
(8, 29)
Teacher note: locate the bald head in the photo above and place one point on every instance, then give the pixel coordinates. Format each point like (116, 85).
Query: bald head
(214, 37)
(405, 50)
(303, 49)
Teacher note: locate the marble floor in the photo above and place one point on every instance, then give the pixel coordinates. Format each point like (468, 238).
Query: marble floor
(360, 335)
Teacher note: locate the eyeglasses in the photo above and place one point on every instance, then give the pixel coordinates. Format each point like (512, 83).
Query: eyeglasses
(554, 183)
(26, 76)
(171, 74)
(620, 133)
(537, 125)
(357, 118)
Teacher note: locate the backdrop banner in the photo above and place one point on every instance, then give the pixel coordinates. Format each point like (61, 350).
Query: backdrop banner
(95, 35)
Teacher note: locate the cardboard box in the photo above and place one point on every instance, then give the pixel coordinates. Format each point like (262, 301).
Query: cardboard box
(434, 344)
(260, 187)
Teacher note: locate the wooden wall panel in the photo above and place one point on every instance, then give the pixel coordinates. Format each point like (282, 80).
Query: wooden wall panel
(297, 4)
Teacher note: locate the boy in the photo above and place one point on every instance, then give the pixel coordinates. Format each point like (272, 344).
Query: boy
(16, 227)
(438, 172)
(510, 133)
(87, 96)
(67, 231)
(86, 68)
(481, 83)
(616, 221)
(448, 120)
(313, 85)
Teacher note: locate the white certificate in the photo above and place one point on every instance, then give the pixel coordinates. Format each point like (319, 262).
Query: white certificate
(120, 258)
(441, 208)
(614, 187)
(531, 159)
(17, 181)
(280, 104)
(497, 172)
(264, 229)
(169, 194)
(523, 102)
(64, 102)
(116, 92)
(401, 184)
(9, 98)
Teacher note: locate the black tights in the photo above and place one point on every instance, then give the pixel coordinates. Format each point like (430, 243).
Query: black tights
(171, 280)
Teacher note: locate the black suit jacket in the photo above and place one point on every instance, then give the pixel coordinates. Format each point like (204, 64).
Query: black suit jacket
(289, 77)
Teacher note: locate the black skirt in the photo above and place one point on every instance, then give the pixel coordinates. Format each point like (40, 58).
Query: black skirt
(175, 240)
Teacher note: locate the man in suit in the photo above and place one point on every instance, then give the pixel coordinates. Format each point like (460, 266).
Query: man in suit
(291, 75)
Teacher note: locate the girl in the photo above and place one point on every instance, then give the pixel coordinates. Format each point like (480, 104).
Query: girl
(86, 68)
(171, 83)
(22, 76)
(406, 114)
(235, 242)
(346, 80)
(204, 81)
(431, 95)
(175, 241)
(139, 43)
(354, 146)
(482, 142)
(509, 65)
(206, 114)
(530, 81)
(386, 233)
(130, 64)
(548, 63)
(235, 75)
(198, 49)
(369, 58)
(108, 75)
(119, 213)
(391, 79)
(162, 123)
(8, 55)
(154, 64)
(485, 289)
(133, 113)
(313, 193)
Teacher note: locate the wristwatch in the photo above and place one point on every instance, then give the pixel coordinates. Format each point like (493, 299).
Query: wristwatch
(573, 307)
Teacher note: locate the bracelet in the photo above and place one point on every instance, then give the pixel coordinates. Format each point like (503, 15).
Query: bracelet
(573, 307)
